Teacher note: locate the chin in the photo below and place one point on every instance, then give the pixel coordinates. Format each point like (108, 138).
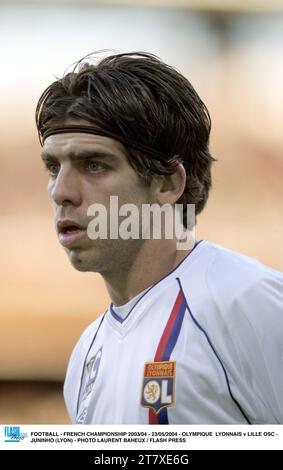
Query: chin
(83, 262)
(82, 267)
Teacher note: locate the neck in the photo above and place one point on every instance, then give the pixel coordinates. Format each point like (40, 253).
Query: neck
(154, 260)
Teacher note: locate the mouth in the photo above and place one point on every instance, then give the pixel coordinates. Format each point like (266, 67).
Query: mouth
(70, 229)
(70, 233)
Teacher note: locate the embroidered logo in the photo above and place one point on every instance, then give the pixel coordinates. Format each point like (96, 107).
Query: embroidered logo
(92, 368)
(158, 389)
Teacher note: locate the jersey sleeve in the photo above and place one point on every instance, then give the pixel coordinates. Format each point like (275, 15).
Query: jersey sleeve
(75, 368)
(255, 322)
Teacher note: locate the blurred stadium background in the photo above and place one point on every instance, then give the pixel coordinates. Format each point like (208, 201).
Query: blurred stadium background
(232, 53)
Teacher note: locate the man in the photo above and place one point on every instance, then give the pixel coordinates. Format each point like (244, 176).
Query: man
(192, 336)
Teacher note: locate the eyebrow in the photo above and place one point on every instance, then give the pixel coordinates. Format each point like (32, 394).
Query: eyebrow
(81, 155)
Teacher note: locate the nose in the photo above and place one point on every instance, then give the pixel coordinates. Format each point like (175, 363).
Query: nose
(65, 189)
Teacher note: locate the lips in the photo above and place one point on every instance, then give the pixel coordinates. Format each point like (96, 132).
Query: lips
(66, 226)
(69, 229)
(70, 232)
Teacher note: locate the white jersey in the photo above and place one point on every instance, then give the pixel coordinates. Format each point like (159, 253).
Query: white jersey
(204, 345)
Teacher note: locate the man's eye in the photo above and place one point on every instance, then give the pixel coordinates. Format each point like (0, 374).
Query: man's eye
(94, 166)
(52, 168)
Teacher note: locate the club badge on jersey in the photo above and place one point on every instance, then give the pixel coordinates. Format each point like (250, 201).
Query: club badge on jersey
(158, 389)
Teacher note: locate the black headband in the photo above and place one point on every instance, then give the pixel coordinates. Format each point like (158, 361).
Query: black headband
(98, 131)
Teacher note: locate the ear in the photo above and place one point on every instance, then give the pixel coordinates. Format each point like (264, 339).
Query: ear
(170, 188)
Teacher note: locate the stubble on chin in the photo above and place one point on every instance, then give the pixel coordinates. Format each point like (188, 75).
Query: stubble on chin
(108, 257)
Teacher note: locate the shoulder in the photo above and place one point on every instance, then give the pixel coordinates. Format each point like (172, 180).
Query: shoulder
(219, 276)
(75, 366)
(246, 293)
(86, 337)
(234, 278)
(83, 343)
(239, 302)
(248, 297)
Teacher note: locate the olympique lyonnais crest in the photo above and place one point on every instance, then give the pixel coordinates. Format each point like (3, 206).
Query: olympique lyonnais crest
(158, 390)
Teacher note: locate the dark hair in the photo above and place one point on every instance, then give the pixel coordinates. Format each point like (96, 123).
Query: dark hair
(140, 99)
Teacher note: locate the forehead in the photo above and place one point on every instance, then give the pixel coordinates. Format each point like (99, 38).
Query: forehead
(62, 145)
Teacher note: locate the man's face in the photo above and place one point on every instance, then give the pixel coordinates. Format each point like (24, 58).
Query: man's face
(85, 169)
